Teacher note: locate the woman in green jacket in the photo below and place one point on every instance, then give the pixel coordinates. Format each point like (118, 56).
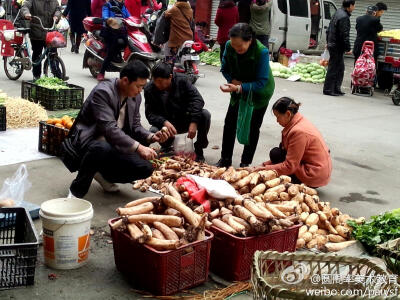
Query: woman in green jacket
(245, 66)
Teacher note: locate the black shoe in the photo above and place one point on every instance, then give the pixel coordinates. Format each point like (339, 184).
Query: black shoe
(330, 94)
(73, 48)
(243, 165)
(224, 162)
(200, 156)
(66, 78)
(340, 93)
(76, 50)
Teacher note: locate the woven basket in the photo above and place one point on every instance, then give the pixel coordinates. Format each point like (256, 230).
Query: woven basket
(299, 276)
(390, 252)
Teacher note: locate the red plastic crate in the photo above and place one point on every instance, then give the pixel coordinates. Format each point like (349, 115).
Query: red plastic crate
(161, 272)
(232, 256)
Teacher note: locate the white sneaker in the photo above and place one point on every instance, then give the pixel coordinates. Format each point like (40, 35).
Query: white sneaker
(107, 186)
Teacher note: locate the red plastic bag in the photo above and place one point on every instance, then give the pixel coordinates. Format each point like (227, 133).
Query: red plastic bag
(55, 39)
(189, 184)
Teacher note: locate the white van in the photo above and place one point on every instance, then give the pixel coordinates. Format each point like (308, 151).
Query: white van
(292, 25)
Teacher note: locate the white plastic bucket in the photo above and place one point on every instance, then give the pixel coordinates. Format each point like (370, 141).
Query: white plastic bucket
(66, 232)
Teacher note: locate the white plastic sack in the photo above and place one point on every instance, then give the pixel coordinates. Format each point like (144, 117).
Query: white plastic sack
(183, 146)
(218, 189)
(62, 25)
(15, 187)
(325, 55)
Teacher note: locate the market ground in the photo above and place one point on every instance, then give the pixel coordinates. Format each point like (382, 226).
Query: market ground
(362, 133)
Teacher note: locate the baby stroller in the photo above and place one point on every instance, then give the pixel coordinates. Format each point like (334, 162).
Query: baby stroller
(363, 76)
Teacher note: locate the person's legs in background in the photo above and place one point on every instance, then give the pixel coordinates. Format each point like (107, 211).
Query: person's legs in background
(222, 50)
(249, 150)
(229, 136)
(332, 74)
(264, 39)
(203, 127)
(37, 49)
(78, 42)
(340, 75)
(73, 42)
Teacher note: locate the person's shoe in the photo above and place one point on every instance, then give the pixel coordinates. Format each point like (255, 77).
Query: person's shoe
(73, 48)
(100, 77)
(66, 78)
(224, 162)
(107, 186)
(340, 93)
(330, 94)
(76, 50)
(243, 165)
(70, 195)
(200, 156)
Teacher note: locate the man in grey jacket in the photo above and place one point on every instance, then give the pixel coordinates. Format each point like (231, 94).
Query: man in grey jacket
(112, 143)
(48, 11)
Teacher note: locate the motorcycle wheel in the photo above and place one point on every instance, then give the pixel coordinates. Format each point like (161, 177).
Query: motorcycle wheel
(14, 71)
(92, 69)
(59, 65)
(192, 78)
(396, 98)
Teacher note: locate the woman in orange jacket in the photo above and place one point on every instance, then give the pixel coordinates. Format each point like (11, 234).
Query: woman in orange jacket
(303, 154)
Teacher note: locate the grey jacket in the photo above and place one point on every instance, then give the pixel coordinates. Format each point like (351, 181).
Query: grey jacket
(99, 115)
(45, 10)
(260, 20)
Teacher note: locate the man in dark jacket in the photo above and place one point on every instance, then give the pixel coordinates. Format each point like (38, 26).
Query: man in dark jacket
(338, 43)
(47, 11)
(173, 102)
(110, 138)
(367, 27)
(244, 11)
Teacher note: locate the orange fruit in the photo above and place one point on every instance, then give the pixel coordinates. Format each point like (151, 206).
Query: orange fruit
(69, 124)
(65, 119)
(59, 125)
(50, 121)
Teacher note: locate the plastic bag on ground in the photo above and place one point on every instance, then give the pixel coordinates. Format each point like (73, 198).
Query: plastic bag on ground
(218, 189)
(14, 187)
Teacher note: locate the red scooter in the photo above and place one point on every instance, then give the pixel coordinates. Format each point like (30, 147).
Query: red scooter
(138, 46)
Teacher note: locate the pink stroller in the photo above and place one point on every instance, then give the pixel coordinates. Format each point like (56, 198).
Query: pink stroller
(363, 76)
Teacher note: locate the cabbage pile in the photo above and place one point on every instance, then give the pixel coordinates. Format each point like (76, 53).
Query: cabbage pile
(313, 73)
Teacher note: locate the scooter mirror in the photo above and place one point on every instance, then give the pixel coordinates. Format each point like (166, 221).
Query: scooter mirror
(149, 11)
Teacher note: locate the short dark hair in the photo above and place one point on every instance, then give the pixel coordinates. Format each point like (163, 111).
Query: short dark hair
(381, 6)
(134, 70)
(243, 31)
(348, 3)
(162, 70)
(284, 104)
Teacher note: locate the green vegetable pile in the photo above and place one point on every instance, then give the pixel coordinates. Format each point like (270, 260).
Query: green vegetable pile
(52, 83)
(211, 58)
(379, 229)
(313, 73)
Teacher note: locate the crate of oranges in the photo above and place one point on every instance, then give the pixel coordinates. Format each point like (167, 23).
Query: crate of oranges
(52, 133)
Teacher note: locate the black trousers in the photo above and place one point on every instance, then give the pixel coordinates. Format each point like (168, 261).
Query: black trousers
(334, 76)
(278, 155)
(264, 39)
(222, 50)
(113, 165)
(37, 49)
(116, 40)
(182, 126)
(229, 136)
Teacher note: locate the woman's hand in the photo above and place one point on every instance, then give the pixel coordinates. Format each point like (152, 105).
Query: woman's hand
(229, 88)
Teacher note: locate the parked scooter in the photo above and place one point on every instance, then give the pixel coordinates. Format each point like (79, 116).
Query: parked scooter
(187, 59)
(138, 46)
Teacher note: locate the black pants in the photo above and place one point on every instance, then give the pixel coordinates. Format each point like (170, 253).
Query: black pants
(37, 49)
(264, 39)
(76, 39)
(278, 155)
(113, 165)
(229, 136)
(116, 40)
(334, 76)
(203, 127)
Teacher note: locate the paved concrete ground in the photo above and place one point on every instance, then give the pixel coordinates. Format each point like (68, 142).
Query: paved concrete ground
(362, 133)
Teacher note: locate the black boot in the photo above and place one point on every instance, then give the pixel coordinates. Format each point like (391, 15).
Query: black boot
(200, 156)
(72, 38)
(78, 43)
